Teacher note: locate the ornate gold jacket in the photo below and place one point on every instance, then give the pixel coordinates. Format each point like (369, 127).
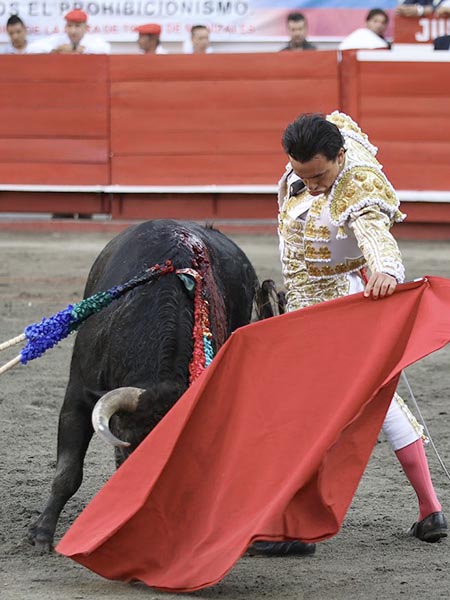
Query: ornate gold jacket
(324, 239)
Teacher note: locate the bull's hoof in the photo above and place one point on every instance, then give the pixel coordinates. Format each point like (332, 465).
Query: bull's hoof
(292, 548)
(42, 542)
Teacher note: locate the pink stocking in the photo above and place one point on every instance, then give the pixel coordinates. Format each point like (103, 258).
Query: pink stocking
(414, 462)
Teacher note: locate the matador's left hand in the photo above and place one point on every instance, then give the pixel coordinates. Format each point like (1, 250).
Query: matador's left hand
(380, 285)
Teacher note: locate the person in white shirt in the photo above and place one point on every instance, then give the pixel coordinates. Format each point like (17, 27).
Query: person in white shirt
(371, 36)
(74, 40)
(149, 39)
(199, 41)
(17, 32)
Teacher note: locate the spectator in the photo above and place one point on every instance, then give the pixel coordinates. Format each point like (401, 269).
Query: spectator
(199, 40)
(417, 8)
(298, 30)
(370, 36)
(149, 39)
(442, 43)
(75, 40)
(443, 9)
(17, 32)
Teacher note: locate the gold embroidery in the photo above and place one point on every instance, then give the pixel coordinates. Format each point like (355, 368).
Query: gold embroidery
(321, 233)
(360, 184)
(317, 206)
(411, 418)
(292, 201)
(338, 269)
(322, 253)
(345, 123)
(300, 296)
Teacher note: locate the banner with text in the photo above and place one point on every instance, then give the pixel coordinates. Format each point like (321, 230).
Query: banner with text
(227, 20)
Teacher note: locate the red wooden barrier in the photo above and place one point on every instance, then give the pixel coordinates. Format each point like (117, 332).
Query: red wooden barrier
(214, 119)
(54, 120)
(207, 120)
(420, 30)
(404, 107)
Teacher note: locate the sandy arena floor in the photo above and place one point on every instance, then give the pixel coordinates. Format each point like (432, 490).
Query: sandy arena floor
(371, 558)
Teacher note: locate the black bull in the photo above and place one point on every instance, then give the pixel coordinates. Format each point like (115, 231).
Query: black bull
(144, 341)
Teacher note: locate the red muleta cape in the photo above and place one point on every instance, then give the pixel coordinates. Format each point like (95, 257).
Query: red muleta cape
(269, 443)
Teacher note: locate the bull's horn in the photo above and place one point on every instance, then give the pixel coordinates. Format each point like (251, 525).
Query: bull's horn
(125, 398)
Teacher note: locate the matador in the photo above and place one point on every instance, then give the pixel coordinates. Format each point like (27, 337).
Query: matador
(336, 209)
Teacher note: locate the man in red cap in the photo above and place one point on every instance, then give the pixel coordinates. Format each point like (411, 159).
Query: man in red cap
(75, 40)
(149, 38)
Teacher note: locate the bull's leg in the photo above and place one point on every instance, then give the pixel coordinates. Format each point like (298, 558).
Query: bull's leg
(74, 434)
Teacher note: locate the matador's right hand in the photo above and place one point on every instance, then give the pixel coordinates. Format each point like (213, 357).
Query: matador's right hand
(380, 285)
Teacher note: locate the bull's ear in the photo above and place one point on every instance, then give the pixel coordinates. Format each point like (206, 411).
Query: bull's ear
(125, 398)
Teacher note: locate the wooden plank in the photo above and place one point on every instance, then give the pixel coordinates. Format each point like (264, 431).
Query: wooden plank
(68, 95)
(428, 212)
(197, 170)
(246, 206)
(54, 67)
(53, 202)
(401, 106)
(177, 95)
(57, 122)
(437, 153)
(400, 79)
(54, 173)
(409, 176)
(198, 142)
(163, 206)
(349, 80)
(422, 231)
(245, 66)
(397, 128)
(53, 150)
(145, 123)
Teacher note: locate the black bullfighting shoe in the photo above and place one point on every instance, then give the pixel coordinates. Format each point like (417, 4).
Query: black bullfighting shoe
(292, 548)
(431, 529)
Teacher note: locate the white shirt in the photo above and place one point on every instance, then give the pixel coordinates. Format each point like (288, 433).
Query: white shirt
(93, 44)
(363, 38)
(9, 49)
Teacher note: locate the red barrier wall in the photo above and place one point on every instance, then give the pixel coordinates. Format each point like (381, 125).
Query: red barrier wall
(210, 120)
(54, 120)
(419, 30)
(184, 120)
(214, 119)
(404, 107)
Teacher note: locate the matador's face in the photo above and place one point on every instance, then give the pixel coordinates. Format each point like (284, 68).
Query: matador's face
(319, 173)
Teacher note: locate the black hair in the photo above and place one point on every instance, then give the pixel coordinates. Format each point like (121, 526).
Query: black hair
(197, 27)
(14, 20)
(312, 134)
(296, 16)
(374, 12)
